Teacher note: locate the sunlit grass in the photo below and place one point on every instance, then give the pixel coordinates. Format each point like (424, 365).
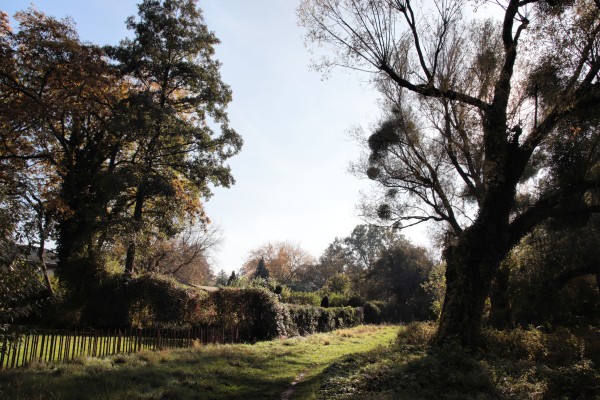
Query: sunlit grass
(518, 364)
(260, 371)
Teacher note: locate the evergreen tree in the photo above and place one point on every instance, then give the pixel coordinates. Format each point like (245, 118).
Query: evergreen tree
(221, 279)
(177, 99)
(232, 279)
(261, 270)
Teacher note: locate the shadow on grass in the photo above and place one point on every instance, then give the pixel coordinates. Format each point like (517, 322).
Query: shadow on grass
(211, 377)
(392, 373)
(422, 373)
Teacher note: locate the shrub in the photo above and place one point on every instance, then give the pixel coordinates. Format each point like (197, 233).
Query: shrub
(356, 301)
(301, 298)
(144, 301)
(304, 320)
(255, 311)
(417, 334)
(372, 313)
(532, 344)
(338, 300)
(153, 300)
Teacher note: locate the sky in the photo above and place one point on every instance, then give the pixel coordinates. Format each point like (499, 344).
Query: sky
(291, 175)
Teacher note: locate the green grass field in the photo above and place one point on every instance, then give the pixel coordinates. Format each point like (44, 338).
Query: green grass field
(261, 371)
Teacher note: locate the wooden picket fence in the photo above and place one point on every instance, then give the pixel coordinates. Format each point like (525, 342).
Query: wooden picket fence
(22, 348)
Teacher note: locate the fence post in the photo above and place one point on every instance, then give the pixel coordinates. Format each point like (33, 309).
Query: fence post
(15, 350)
(59, 339)
(36, 345)
(3, 350)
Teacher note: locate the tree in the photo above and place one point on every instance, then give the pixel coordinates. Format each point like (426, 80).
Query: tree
(261, 270)
(356, 256)
(232, 279)
(473, 112)
(55, 132)
(176, 97)
(185, 257)
(553, 275)
(285, 261)
(333, 261)
(221, 278)
(338, 283)
(399, 275)
(365, 245)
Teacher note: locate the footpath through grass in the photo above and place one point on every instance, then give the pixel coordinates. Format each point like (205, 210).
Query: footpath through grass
(260, 371)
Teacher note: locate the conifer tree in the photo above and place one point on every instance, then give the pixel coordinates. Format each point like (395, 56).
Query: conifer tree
(261, 270)
(176, 100)
(232, 279)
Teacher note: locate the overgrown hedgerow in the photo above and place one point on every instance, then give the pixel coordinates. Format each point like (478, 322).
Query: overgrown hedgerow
(306, 320)
(152, 300)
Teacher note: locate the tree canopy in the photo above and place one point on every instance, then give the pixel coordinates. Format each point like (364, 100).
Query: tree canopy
(114, 146)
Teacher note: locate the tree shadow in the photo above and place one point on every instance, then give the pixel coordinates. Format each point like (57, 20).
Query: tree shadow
(395, 374)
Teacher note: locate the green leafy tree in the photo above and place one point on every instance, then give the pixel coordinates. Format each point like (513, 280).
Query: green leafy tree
(365, 245)
(554, 276)
(473, 110)
(399, 275)
(314, 275)
(175, 99)
(338, 283)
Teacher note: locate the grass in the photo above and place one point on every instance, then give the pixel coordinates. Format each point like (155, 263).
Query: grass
(520, 364)
(260, 371)
(366, 362)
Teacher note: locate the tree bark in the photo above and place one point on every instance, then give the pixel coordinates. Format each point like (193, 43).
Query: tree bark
(137, 221)
(473, 261)
(40, 255)
(469, 272)
(500, 300)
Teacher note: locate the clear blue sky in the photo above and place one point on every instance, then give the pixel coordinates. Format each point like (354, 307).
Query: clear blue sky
(291, 174)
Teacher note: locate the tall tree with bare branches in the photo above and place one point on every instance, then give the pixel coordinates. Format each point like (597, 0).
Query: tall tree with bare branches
(475, 110)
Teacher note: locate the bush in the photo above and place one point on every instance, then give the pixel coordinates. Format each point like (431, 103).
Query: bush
(305, 320)
(372, 313)
(301, 298)
(417, 334)
(144, 301)
(255, 311)
(561, 346)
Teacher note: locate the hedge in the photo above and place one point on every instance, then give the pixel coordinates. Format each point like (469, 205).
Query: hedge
(301, 298)
(153, 300)
(306, 320)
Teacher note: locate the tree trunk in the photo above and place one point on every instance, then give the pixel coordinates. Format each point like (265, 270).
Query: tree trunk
(137, 221)
(471, 264)
(40, 255)
(500, 300)
(467, 287)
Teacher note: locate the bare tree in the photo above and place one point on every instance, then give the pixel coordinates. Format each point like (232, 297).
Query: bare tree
(284, 261)
(187, 256)
(474, 110)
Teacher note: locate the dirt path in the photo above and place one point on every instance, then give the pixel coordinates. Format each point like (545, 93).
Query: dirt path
(290, 391)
